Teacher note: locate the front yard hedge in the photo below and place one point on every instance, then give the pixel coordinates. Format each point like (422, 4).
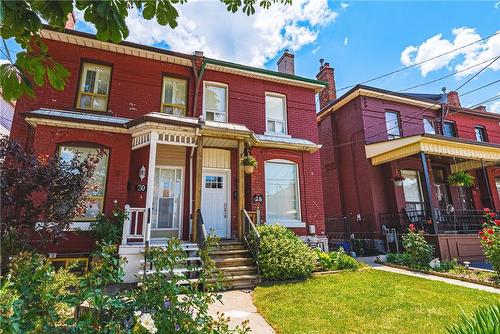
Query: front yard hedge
(282, 255)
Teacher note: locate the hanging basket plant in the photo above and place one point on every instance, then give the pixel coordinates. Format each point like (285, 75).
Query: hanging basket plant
(461, 179)
(250, 163)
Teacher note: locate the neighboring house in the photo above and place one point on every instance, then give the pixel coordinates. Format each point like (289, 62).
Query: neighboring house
(175, 127)
(386, 157)
(6, 114)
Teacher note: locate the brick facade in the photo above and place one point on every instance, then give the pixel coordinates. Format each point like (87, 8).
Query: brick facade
(135, 90)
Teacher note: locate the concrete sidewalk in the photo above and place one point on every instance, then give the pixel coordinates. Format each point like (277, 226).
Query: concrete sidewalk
(371, 261)
(238, 306)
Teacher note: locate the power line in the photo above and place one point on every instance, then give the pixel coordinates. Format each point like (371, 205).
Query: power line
(450, 75)
(418, 63)
(475, 75)
(484, 86)
(488, 100)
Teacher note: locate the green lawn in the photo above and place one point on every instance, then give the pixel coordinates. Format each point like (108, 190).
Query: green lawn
(368, 301)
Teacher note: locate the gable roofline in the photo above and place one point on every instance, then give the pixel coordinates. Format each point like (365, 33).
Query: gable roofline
(151, 52)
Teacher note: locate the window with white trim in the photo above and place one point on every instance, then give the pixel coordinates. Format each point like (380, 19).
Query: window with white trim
(215, 101)
(94, 87)
(429, 126)
(392, 124)
(282, 192)
(276, 113)
(97, 187)
(173, 100)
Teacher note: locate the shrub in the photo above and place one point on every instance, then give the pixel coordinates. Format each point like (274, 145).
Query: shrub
(484, 320)
(490, 239)
(282, 255)
(446, 266)
(417, 247)
(109, 229)
(336, 260)
(403, 259)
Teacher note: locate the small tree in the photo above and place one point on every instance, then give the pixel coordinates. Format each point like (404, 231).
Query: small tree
(40, 195)
(490, 239)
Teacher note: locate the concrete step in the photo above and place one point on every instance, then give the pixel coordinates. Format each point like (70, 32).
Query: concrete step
(242, 281)
(230, 245)
(233, 261)
(238, 270)
(229, 252)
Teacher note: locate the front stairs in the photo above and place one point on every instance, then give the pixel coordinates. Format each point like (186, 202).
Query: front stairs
(231, 258)
(235, 262)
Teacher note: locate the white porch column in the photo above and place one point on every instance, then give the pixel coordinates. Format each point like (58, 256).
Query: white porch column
(126, 225)
(151, 180)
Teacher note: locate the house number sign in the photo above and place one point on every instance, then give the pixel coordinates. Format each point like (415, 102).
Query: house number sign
(141, 188)
(258, 198)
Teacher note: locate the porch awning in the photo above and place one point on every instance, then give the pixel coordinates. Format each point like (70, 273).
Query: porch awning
(391, 150)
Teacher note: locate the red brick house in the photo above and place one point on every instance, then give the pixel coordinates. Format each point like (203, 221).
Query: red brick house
(386, 157)
(175, 127)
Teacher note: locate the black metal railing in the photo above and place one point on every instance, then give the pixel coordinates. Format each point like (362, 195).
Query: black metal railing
(460, 221)
(201, 230)
(400, 221)
(251, 237)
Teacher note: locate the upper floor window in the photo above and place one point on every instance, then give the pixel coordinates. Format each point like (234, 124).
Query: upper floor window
(215, 101)
(392, 124)
(97, 187)
(449, 129)
(94, 87)
(480, 134)
(173, 99)
(429, 126)
(276, 113)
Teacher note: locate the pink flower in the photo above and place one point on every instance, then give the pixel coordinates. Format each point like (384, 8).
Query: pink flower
(486, 210)
(411, 227)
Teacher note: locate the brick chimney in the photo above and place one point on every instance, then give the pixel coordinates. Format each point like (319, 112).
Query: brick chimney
(326, 74)
(453, 99)
(286, 63)
(70, 23)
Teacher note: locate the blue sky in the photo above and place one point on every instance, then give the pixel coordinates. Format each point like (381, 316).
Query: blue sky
(360, 39)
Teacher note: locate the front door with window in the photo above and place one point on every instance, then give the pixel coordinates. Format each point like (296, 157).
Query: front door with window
(215, 203)
(167, 202)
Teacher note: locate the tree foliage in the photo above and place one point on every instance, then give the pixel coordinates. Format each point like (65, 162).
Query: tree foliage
(22, 20)
(40, 195)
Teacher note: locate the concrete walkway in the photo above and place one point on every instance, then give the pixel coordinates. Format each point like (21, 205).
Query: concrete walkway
(371, 261)
(238, 306)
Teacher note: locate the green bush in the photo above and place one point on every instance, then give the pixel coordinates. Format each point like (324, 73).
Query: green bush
(417, 247)
(490, 239)
(484, 320)
(402, 259)
(447, 266)
(336, 260)
(109, 229)
(282, 255)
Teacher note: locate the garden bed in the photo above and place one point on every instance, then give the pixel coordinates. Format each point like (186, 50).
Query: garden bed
(481, 277)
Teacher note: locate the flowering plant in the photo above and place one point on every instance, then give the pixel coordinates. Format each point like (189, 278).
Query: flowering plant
(417, 247)
(490, 239)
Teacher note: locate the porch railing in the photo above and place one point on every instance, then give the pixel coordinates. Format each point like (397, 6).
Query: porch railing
(458, 221)
(134, 225)
(251, 236)
(201, 230)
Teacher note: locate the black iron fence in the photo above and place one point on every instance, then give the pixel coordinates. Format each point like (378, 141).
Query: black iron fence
(447, 221)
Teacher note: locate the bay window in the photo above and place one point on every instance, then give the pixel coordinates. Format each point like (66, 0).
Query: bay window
(276, 113)
(94, 87)
(173, 99)
(215, 101)
(97, 187)
(282, 193)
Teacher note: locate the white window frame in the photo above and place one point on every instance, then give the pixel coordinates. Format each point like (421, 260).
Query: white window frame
(285, 222)
(432, 121)
(285, 115)
(83, 76)
(173, 105)
(216, 84)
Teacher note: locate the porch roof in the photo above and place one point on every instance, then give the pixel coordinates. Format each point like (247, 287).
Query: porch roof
(285, 142)
(391, 150)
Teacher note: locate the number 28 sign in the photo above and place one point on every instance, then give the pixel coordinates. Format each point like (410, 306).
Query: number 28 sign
(258, 198)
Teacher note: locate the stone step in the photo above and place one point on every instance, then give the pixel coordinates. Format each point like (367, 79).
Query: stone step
(230, 245)
(242, 281)
(233, 261)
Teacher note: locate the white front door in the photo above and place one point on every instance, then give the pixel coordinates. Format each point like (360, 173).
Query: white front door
(215, 202)
(167, 201)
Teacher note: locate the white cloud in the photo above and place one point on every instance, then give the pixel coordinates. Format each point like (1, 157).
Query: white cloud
(4, 61)
(459, 60)
(252, 40)
(494, 106)
(344, 5)
(346, 40)
(497, 5)
(315, 50)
